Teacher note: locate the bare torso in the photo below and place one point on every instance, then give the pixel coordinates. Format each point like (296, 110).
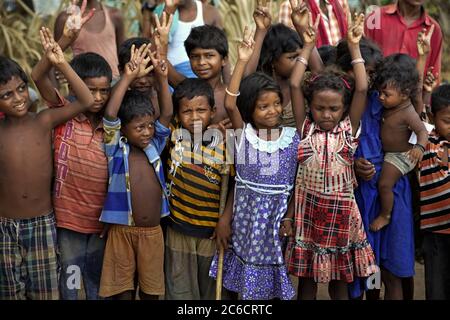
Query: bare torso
(145, 190)
(395, 128)
(26, 168)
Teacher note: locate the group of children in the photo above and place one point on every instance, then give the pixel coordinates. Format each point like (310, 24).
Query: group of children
(138, 172)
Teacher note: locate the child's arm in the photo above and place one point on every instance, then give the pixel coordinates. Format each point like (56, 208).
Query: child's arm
(263, 21)
(54, 54)
(164, 96)
(287, 223)
(223, 228)
(301, 19)
(245, 50)
(358, 104)
(428, 86)
(133, 69)
(297, 98)
(416, 125)
(71, 29)
(423, 47)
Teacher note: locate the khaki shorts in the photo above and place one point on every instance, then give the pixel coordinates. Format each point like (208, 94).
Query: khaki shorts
(400, 160)
(131, 249)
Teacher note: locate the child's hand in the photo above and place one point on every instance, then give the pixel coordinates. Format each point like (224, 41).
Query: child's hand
(222, 126)
(171, 5)
(137, 66)
(430, 80)
(159, 64)
(364, 169)
(310, 34)
(76, 19)
(52, 49)
(415, 154)
(299, 14)
(245, 48)
(424, 40)
(223, 232)
(356, 28)
(162, 30)
(286, 229)
(262, 16)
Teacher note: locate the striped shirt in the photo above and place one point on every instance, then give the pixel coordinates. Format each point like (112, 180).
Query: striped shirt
(117, 208)
(194, 182)
(81, 174)
(435, 186)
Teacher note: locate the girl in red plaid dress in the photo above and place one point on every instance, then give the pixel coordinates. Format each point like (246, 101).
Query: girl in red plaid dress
(328, 242)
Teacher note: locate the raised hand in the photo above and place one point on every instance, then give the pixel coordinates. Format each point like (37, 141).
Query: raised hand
(159, 64)
(162, 29)
(77, 19)
(245, 48)
(430, 80)
(261, 15)
(310, 34)
(356, 28)
(299, 14)
(52, 49)
(137, 66)
(171, 5)
(424, 40)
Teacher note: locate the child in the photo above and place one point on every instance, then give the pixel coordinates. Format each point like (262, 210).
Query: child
(194, 180)
(28, 255)
(253, 264)
(329, 243)
(136, 196)
(207, 49)
(398, 81)
(435, 199)
(393, 248)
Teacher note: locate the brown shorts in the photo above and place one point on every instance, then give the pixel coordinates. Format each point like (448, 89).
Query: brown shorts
(131, 249)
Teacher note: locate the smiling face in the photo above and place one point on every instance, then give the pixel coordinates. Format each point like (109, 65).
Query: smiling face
(14, 97)
(268, 110)
(206, 63)
(100, 90)
(195, 114)
(143, 84)
(139, 131)
(327, 108)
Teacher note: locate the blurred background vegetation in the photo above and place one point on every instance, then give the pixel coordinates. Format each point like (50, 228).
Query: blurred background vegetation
(19, 27)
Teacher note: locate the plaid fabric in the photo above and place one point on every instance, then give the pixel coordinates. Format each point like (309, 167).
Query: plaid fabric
(329, 19)
(28, 259)
(117, 208)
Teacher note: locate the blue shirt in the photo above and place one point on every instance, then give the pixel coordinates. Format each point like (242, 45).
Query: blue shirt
(117, 208)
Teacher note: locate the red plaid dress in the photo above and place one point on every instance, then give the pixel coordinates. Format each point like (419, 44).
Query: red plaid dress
(330, 242)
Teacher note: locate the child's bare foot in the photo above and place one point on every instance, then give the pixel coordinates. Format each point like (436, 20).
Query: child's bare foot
(380, 222)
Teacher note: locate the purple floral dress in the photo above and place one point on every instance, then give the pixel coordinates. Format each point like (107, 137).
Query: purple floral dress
(265, 171)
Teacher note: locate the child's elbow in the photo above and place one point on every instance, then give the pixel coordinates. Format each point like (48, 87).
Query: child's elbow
(89, 101)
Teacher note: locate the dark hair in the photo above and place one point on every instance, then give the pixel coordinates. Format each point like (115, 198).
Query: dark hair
(135, 104)
(330, 79)
(251, 88)
(440, 98)
(9, 68)
(124, 54)
(207, 37)
(370, 52)
(280, 39)
(190, 88)
(328, 54)
(91, 65)
(398, 70)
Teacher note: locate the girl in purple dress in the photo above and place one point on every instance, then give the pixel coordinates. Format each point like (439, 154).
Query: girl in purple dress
(265, 170)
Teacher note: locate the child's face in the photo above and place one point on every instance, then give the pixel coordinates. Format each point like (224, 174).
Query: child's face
(442, 122)
(140, 131)
(268, 110)
(195, 114)
(327, 108)
(391, 97)
(284, 65)
(14, 97)
(143, 84)
(206, 63)
(100, 88)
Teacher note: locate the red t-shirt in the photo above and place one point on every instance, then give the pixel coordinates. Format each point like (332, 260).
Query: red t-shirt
(389, 30)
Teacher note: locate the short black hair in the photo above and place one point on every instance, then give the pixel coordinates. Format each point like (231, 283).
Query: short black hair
(251, 88)
(440, 98)
(124, 54)
(9, 68)
(330, 79)
(207, 37)
(91, 65)
(328, 54)
(190, 88)
(398, 70)
(278, 40)
(370, 52)
(135, 104)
